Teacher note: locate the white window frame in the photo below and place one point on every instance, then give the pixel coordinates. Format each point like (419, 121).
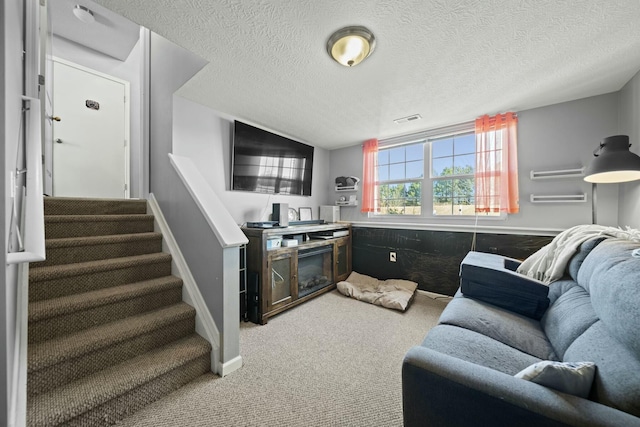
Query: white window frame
(421, 180)
(452, 177)
(427, 181)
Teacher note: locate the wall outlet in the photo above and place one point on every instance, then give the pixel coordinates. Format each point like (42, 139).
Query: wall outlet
(392, 256)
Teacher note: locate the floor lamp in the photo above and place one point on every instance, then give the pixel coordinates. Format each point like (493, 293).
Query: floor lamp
(613, 163)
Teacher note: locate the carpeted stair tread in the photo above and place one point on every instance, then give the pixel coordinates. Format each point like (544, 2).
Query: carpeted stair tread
(72, 369)
(37, 274)
(127, 404)
(71, 250)
(71, 242)
(52, 219)
(46, 309)
(65, 315)
(48, 353)
(61, 226)
(72, 400)
(88, 206)
(61, 280)
(108, 329)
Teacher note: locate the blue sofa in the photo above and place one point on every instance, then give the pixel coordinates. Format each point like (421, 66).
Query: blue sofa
(463, 373)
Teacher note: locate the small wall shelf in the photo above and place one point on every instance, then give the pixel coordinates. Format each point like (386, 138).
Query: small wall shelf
(563, 198)
(347, 188)
(555, 174)
(346, 203)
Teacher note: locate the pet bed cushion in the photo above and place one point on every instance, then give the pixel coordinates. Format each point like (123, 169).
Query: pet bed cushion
(390, 293)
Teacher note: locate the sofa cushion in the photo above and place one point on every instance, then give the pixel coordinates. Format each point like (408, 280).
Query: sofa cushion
(568, 377)
(611, 275)
(576, 261)
(570, 314)
(487, 277)
(477, 348)
(558, 288)
(617, 380)
(512, 329)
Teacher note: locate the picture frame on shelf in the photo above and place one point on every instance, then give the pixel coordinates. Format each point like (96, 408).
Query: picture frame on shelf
(305, 214)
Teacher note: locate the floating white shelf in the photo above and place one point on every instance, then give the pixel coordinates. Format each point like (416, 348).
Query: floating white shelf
(347, 188)
(563, 173)
(347, 203)
(560, 198)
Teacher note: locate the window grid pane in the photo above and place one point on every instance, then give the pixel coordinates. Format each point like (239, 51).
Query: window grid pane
(464, 144)
(452, 167)
(400, 199)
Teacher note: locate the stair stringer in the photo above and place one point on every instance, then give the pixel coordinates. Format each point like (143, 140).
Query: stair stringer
(205, 325)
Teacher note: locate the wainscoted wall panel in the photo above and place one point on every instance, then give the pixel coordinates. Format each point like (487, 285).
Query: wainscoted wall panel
(430, 258)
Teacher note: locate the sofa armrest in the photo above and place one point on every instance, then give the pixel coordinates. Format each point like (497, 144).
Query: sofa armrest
(491, 278)
(441, 390)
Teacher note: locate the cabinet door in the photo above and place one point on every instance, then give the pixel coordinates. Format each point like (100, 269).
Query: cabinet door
(281, 280)
(342, 257)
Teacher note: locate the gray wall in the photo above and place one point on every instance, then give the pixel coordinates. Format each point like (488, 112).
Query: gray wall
(629, 211)
(554, 137)
(10, 106)
(130, 70)
(171, 66)
(200, 134)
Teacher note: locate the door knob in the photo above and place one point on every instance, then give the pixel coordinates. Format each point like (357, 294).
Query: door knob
(56, 118)
(58, 140)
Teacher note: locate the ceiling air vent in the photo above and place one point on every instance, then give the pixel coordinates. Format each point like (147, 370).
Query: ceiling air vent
(408, 118)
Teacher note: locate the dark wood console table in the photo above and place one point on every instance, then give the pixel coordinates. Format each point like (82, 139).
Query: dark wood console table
(283, 277)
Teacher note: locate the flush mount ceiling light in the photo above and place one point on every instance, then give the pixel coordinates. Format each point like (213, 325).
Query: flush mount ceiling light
(84, 14)
(349, 46)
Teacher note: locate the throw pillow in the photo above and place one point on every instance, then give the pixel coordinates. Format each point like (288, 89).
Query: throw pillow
(568, 377)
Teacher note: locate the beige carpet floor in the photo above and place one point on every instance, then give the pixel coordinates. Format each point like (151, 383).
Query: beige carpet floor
(332, 361)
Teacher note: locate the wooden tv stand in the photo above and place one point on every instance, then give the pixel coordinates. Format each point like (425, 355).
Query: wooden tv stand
(283, 277)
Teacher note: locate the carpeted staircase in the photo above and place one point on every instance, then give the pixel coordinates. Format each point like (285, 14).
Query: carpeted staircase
(108, 331)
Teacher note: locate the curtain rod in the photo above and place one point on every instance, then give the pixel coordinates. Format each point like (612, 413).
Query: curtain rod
(425, 134)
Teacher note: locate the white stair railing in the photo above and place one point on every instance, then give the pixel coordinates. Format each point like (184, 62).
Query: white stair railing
(28, 211)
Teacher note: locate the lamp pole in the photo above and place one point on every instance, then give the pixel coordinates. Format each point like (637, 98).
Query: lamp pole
(594, 203)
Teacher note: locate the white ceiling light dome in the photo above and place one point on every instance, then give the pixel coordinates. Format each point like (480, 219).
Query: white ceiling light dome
(349, 46)
(84, 14)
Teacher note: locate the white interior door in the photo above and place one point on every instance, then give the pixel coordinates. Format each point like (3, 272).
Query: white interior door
(90, 142)
(46, 97)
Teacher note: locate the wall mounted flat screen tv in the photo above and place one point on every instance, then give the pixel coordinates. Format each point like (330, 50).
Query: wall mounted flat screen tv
(267, 163)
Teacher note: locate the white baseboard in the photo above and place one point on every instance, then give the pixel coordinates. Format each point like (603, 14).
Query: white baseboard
(230, 366)
(205, 325)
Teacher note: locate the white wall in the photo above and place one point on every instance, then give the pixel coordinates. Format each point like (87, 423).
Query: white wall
(629, 209)
(554, 137)
(563, 136)
(129, 70)
(200, 134)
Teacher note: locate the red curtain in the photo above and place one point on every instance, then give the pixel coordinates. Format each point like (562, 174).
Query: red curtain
(370, 157)
(497, 163)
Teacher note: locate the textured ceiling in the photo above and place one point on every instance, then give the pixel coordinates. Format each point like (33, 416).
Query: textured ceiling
(109, 34)
(447, 60)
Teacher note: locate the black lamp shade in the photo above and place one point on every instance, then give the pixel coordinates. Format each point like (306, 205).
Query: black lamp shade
(614, 162)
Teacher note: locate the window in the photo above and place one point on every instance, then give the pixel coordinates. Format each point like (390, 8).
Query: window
(400, 172)
(453, 164)
(467, 169)
(428, 174)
